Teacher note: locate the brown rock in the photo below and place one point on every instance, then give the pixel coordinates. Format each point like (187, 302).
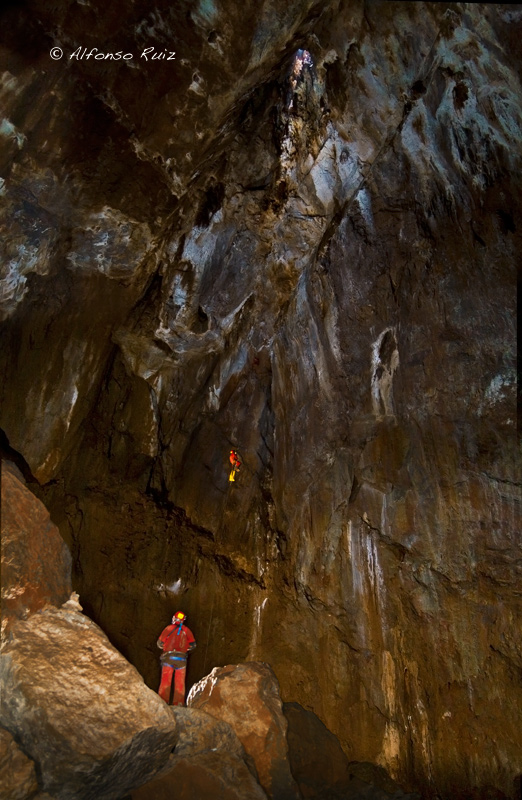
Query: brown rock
(208, 761)
(205, 776)
(316, 758)
(247, 697)
(36, 564)
(321, 768)
(79, 709)
(200, 732)
(17, 773)
(375, 775)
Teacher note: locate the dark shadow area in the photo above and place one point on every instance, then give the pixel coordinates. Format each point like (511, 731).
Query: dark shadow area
(8, 453)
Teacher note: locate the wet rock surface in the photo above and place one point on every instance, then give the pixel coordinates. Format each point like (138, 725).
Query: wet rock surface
(311, 259)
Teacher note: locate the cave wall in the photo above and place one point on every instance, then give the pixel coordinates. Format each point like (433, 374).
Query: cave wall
(312, 260)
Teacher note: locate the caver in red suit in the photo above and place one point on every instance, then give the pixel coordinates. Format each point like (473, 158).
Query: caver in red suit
(176, 641)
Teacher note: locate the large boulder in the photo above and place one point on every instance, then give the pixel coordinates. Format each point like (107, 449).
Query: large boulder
(36, 563)
(205, 776)
(79, 709)
(208, 761)
(200, 732)
(247, 697)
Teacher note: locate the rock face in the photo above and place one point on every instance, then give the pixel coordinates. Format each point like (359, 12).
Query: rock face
(206, 776)
(247, 697)
(208, 762)
(317, 759)
(95, 731)
(322, 769)
(17, 773)
(36, 563)
(199, 732)
(298, 239)
(79, 709)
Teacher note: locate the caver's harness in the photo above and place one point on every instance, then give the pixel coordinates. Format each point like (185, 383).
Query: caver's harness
(174, 658)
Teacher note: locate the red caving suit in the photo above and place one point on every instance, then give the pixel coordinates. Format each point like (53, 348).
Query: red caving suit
(176, 642)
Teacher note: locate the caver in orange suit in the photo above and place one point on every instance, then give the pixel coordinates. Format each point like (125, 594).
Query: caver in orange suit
(176, 641)
(235, 463)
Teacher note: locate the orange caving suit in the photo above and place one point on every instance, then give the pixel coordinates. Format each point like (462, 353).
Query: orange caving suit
(236, 463)
(176, 641)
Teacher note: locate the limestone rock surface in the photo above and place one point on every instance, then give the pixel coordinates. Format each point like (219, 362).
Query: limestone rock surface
(36, 563)
(323, 771)
(86, 213)
(208, 761)
(199, 732)
(206, 776)
(247, 697)
(17, 772)
(79, 710)
(317, 760)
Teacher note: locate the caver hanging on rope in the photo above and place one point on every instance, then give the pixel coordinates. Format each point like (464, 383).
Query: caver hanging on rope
(236, 463)
(176, 641)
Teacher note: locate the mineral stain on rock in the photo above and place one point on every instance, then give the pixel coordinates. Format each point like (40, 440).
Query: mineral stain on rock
(298, 239)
